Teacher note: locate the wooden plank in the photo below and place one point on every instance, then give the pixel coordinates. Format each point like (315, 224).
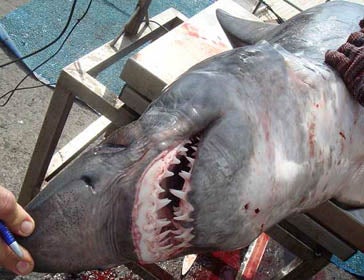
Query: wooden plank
(312, 261)
(304, 270)
(339, 222)
(97, 96)
(171, 55)
(151, 85)
(320, 235)
(290, 242)
(134, 100)
(57, 113)
(73, 148)
(102, 57)
(78, 76)
(287, 269)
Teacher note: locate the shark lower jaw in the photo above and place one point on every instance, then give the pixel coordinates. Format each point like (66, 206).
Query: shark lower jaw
(161, 222)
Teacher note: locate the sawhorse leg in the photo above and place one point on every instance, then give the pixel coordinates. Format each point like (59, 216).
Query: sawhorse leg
(58, 111)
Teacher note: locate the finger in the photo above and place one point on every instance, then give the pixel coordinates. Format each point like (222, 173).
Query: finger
(11, 262)
(14, 216)
(355, 68)
(349, 50)
(356, 39)
(337, 60)
(359, 89)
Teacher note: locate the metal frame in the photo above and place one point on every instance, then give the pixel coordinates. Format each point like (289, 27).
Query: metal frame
(315, 237)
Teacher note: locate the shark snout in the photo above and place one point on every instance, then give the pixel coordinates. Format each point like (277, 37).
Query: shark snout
(77, 220)
(65, 230)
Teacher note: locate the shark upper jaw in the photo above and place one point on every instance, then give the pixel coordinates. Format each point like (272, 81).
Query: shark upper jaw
(161, 216)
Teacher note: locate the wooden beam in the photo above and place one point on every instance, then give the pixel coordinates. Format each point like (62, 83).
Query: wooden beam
(290, 242)
(58, 110)
(321, 235)
(78, 144)
(303, 271)
(102, 57)
(341, 223)
(134, 100)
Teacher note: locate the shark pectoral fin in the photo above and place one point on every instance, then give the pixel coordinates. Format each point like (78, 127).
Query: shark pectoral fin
(350, 200)
(242, 32)
(352, 195)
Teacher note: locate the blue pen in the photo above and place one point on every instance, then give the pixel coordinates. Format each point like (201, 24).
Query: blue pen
(9, 239)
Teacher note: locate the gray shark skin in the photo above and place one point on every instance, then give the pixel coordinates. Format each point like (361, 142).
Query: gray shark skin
(239, 142)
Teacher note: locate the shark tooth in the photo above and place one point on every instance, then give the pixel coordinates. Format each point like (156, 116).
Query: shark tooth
(183, 150)
(185, 175)
(162, 203)
(163, 235)
(185, 235)
(191, 160)
(177, 231)
(166, 247)
(183, 245)
(162, 223)
(184, 217)
(179, 194)
(175, 161)
(168, 174)
(158, 189)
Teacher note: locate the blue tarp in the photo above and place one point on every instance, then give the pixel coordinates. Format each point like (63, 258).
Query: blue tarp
(38, 22)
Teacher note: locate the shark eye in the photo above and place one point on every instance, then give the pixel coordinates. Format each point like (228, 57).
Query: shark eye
(114, 146)
(87, 180)
(89, 183)
(110, 148)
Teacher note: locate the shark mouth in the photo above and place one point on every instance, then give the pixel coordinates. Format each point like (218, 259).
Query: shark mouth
(161, 222)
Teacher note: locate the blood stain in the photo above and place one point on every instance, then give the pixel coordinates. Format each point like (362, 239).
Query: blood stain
(342, 135)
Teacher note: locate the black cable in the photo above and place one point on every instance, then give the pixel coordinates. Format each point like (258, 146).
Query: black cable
(279, 19)
(160, 25)
(147, 21)
(49, 44)
(11, 92)
(38, 86)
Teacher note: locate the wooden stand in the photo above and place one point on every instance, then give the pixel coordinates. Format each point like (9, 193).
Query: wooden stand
(77, 81)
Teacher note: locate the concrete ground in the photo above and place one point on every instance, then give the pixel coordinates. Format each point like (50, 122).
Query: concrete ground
(20, 123)
(21, 119)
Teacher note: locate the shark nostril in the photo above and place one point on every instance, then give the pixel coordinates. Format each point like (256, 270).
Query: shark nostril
(89, 183)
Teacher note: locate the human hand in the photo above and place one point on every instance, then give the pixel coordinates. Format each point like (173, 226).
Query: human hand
(20, 223)
(348, 60)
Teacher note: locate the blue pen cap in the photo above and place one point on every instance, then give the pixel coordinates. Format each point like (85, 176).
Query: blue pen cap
(6, 234)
